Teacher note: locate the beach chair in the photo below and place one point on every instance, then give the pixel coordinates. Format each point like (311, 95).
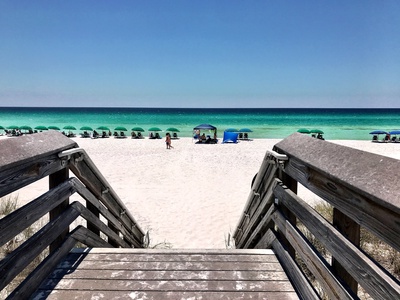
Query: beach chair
(175, 135)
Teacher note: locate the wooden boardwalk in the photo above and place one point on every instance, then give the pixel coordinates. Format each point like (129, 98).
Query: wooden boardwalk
(107, 273)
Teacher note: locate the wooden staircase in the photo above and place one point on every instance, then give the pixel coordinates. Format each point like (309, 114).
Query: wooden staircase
(108, 273)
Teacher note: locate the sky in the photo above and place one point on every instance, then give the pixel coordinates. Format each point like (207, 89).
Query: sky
(329, 54)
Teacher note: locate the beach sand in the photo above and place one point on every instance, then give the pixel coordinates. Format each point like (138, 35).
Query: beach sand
(191, 196)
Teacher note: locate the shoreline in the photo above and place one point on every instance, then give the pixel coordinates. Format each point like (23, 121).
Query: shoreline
(191, 196)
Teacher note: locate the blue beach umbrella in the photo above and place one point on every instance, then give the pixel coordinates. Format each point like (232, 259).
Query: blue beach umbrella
(394, 132)
(378, 132)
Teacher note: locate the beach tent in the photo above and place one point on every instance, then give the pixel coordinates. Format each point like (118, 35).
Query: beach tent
(230, 137)
(200, 127)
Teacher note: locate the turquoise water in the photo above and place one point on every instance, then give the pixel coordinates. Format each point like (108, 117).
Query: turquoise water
(265, 123)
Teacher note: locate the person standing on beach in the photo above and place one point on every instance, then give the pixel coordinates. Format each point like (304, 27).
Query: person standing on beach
(168, 141)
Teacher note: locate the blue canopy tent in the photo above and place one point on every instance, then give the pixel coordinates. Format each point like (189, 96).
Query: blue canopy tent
(230, 137)
(201, 138)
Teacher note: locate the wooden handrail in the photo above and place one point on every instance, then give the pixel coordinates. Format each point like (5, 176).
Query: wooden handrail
(29, 158)
(346, 178)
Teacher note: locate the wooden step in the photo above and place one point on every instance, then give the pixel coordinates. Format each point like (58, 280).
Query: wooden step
(167, 274)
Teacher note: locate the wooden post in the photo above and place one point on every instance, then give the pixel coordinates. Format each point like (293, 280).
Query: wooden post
(54, 180)
(351, 230)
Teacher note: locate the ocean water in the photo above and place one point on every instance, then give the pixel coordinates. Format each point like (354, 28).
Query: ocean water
(354, 124)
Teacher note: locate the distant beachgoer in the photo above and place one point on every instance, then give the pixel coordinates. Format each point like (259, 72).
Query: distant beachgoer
(168, 141)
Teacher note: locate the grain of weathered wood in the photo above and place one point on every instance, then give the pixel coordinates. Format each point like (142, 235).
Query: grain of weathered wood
(376, 282)
(315, 263)
(168, 274)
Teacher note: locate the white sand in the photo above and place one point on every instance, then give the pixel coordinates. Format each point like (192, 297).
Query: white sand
(191, 196)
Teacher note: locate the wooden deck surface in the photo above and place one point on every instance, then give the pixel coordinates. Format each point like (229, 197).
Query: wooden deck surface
(168, 274)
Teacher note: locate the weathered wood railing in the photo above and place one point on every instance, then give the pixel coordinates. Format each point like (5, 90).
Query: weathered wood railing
(363, 189)
(27, 159)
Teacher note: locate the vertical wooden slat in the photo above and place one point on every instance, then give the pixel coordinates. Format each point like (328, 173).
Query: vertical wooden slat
(54, 180)
(292, 185)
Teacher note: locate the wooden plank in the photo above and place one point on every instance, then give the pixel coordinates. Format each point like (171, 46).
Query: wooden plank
(373, 279)
(25, 216)
(314, 262)
(348, 179)
(195, 266)
(29, 158)
(31, 148)
(23, 175)
(227, 252)
(169, 275)
(154, 295)
(169, 285)
(20, 258)
(300, 282)
(177, 257)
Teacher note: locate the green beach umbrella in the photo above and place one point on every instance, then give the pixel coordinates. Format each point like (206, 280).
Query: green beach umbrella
(120, 128)
(53, 128)
(303, 130)
(245, 130)
(1, 127)
(41, 127)
(172, 129)
(140, 129)
(105, 128)
(12, 127)
(86, 128)
(25, 127)
(154, 129)
(69, 127)
(231, 130)
(318, 131)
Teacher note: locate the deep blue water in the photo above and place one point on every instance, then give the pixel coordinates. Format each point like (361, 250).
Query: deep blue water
(265, 122)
